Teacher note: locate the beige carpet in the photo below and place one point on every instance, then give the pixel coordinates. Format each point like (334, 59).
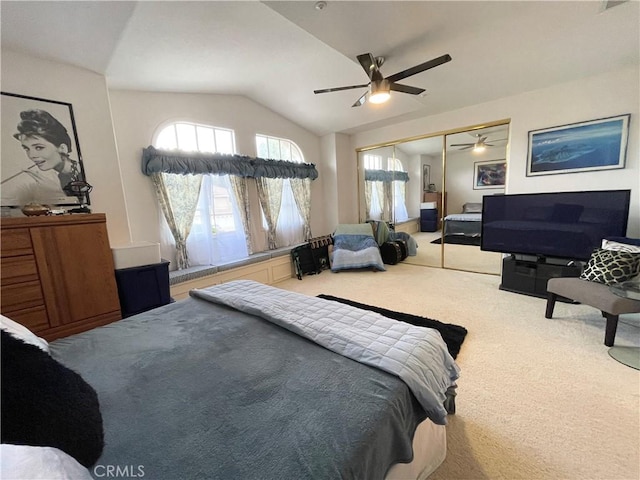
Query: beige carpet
(458, 257)
(537, 398)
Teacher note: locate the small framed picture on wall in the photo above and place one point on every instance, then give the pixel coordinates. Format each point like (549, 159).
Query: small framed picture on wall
(489, 174)
(426, 177)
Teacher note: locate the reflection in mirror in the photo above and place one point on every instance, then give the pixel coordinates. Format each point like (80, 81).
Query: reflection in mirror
(383, 196)
(475, 166)
(423, 185)
(424, 159)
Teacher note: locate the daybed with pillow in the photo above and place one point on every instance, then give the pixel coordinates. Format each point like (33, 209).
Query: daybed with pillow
(467, 223)
(355, 247)
(244, 380)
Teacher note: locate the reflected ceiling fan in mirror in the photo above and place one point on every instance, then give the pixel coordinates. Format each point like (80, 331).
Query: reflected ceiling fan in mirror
(380, 87)
(479, 145)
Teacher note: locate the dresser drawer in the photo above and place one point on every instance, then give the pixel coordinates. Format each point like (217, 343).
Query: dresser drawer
(20, 296)
(15, 241)
(19, 269)
(35, 319)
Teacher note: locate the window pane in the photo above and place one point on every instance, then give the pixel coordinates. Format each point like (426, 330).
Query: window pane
(224, 141)
(206, 141)
(373, 162)
(274, 148)
(166, 139)
(296, 156)
(262, 147)
(285, 150)
(222, 213)
(186, 137)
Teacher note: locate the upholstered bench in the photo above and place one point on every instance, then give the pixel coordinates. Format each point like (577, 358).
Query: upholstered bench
(594, 294)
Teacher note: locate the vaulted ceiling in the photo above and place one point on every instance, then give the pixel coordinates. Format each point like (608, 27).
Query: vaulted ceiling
(277, 53)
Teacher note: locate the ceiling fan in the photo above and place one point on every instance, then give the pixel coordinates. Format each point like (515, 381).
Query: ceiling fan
(479, 145)
(379, 86)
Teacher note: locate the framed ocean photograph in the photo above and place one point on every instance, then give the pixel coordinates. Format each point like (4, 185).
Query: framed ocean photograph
(489, 174)
(41, 160)
(579, 147)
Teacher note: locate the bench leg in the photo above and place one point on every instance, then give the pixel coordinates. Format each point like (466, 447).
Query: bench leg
(551, 303)
(610, 329)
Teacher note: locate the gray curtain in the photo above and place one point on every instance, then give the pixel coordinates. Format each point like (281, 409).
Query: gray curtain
(169, 161)
(178, 198)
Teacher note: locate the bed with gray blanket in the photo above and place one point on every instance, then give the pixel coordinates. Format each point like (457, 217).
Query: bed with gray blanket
(467, 223)
(218, 387)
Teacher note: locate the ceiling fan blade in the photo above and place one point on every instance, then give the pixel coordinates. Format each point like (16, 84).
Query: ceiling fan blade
(337, 89)
(462, 144)
(406, 89)
(370, 66)
(361, 100)
(420, 68)
(465, 148)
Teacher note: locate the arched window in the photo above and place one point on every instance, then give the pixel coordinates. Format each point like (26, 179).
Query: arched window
(383, 195)
(216, 235)
(289, 224)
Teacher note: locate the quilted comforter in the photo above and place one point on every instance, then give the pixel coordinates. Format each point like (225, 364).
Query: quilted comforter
(417, 355)
(354, 246)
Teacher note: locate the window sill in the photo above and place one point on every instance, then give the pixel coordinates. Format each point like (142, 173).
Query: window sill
(180, 276)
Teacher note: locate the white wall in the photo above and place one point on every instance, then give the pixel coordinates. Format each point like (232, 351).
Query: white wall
(610, 94)
(138, 115)
(87, 93)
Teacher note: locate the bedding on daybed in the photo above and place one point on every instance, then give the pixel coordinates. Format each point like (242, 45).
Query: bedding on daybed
(354, 247)
(196, 389)
(468, 223)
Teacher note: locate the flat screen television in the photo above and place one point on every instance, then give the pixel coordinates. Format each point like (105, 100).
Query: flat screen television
(561, 225)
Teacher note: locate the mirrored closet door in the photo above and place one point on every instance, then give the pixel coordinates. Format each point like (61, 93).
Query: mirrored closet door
(475, 166)
(442, 177)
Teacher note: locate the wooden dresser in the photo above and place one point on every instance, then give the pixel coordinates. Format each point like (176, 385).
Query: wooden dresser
(57, 274)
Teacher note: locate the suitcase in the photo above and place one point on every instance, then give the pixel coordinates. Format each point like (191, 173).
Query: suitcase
(390, 252)
(403, 249)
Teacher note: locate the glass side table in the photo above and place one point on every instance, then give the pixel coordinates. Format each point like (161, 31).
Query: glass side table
(629, 356)
(629, 290)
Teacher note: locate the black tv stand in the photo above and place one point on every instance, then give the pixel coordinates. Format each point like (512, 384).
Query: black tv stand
(529, 275)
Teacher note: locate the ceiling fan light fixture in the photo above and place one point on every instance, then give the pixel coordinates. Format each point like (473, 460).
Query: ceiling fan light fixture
(479, 148)
(379, 92)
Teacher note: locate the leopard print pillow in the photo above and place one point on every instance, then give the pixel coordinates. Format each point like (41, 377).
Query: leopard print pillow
(611, 266)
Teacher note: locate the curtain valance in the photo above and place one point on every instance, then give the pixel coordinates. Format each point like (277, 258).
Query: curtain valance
(385, 176)
(169, 161)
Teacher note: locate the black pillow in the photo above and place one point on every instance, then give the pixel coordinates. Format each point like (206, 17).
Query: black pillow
(611, 266)
(46, 404)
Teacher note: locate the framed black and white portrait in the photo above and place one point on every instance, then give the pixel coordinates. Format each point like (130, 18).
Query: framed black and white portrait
(41, 160)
